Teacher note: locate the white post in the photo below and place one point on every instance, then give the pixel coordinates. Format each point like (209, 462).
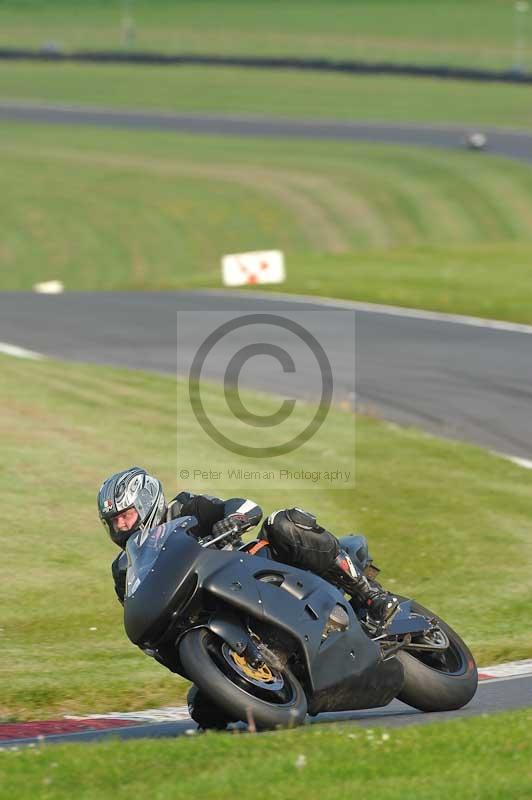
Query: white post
(128, 23)
(520, 19)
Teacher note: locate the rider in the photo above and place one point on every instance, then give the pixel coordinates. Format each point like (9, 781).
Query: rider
(133, 500)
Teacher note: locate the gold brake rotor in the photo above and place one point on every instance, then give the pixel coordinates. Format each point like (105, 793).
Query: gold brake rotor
(262, 673)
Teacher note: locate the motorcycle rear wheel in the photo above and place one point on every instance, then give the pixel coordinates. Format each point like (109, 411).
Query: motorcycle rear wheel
(438, 682)
(276, 701)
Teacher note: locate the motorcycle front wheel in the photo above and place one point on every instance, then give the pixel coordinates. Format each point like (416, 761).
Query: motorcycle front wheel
(265, 696)
(440, 680)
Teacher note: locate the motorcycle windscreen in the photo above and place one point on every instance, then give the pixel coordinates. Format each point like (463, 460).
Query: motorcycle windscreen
(142, 552)
(160, 563)
(144, 549)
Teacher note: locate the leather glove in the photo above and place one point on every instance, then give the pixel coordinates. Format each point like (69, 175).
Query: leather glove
(234, 523)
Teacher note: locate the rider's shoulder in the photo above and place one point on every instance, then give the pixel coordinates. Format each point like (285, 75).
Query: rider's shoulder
(176, 505)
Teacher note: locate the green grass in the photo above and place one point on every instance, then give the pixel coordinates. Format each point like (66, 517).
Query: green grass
(486, 758)
(438, 516)
(443, 278)
(277, 92)
(471, 32)
(421, 228)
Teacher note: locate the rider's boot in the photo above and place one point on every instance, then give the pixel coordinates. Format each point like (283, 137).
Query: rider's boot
(205, 713)
(380, 604)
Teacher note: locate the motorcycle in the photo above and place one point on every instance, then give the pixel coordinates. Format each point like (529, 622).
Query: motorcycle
(267, 643)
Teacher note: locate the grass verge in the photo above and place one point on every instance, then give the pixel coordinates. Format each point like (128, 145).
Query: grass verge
(438, 515)
(490, 280)
(485, 758)
(287, 93)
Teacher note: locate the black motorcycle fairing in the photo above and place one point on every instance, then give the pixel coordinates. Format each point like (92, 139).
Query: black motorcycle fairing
(181, 567)
(369, 688)
(298, 604)
(169, 582)
(301, 606)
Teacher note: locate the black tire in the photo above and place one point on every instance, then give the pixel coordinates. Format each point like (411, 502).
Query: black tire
(203, 711)
(438, 683)
(205, 659)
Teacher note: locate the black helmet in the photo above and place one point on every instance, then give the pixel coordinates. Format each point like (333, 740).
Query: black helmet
(132, 488)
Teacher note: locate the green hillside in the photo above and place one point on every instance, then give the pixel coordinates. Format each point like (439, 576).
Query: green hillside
(106, 210)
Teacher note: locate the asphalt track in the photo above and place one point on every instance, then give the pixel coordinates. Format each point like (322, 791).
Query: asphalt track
(491, 697)
(453, 379)
(506, 142)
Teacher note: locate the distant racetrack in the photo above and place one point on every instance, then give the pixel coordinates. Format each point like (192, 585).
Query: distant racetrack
(464, 381)
(510, 143)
